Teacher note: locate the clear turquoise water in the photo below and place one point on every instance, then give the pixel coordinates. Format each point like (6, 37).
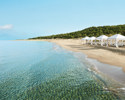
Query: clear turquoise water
(33, 70)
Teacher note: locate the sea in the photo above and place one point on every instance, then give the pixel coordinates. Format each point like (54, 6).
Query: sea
(37, 70)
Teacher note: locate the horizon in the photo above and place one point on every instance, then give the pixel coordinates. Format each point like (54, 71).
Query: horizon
(27, 19)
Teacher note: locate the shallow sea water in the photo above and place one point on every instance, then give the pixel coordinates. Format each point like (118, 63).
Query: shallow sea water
(33, 70)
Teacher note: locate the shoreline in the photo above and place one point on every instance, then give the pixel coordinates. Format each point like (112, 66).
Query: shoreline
(100, 54)
(109, 63)
(103, 54)
(117, 74)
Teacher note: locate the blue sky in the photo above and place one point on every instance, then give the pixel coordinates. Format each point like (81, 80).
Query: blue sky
(31, 18)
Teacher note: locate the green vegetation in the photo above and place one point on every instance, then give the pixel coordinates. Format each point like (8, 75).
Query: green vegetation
(92, 31)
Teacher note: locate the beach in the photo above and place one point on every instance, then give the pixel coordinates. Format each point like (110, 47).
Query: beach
(111, 62)
(47, 67)
(101, 54)
(45, 70)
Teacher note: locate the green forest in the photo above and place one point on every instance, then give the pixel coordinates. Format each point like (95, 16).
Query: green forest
(91, 31)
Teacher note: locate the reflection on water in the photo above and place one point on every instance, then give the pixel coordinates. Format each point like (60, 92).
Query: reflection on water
(43, 71)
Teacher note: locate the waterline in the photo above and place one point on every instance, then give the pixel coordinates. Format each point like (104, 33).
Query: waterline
(43, 70)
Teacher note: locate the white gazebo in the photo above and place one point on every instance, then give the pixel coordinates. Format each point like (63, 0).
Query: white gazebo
(91, 39)
(85, 39)
(116, 38)
(102, 39)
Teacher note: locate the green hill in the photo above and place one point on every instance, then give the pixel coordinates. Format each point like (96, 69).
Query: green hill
(92, 31)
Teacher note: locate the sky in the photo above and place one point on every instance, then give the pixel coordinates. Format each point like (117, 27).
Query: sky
(21, 19)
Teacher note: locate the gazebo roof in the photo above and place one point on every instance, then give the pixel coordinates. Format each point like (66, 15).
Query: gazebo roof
(102, 37)
(117, 36)
(92, 38)
(85, 38)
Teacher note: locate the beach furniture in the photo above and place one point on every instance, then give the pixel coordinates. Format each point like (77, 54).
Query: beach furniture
(91, 40)
(84, 40)
(102, 39)
(116, 40)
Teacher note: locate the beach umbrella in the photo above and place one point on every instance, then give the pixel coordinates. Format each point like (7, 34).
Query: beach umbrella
(116, 38)
(102, 38)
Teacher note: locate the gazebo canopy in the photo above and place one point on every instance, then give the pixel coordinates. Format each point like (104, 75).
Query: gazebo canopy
(85, 38)
(102, 37)
(92, 38)
(117, 37)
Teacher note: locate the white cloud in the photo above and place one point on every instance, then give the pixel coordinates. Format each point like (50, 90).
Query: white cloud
(6, 27)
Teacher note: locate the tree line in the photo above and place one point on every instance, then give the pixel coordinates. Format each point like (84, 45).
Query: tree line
(91, 31)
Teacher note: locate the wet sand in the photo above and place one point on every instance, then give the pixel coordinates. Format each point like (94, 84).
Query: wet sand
(113, 72)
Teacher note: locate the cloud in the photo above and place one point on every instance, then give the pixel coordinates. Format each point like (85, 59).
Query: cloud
(6, 27)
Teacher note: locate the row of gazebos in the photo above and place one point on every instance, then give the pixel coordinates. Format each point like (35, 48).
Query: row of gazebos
(103, 40)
